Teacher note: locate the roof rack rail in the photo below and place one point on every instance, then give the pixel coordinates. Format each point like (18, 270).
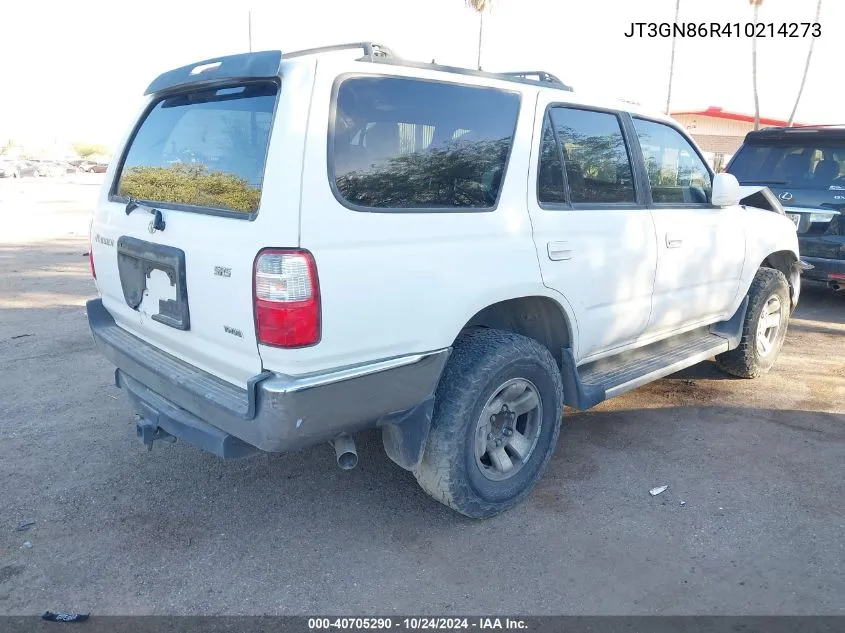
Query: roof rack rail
(372, 50)
(536, 75)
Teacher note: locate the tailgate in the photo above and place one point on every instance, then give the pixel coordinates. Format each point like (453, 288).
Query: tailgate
(183, 215)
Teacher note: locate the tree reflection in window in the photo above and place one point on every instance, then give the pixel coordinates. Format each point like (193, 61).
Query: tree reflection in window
(458, 174)
(410, 144)
(596, 158)
(676, 173)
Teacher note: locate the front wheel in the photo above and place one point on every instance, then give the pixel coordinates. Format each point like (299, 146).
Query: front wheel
(764, 328)
(496, 421)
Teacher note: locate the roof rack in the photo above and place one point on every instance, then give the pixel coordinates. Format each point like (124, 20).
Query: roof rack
(536, 75)
(548, 80)
(379, 53)
(372, 51)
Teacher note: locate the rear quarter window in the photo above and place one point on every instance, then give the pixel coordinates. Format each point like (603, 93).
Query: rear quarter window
(408, 144)
(202, 150)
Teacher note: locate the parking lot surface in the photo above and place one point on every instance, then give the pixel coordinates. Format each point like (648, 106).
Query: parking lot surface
(751, 523)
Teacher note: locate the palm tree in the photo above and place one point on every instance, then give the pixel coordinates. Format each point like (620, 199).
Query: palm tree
(481, 6)
(806, 67)
(756, 4)
(672, 59)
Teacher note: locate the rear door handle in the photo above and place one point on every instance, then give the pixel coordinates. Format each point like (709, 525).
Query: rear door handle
(559, 251)
(673, 240)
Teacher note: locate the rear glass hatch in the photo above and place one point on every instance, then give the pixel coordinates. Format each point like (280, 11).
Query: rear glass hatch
(180, 217)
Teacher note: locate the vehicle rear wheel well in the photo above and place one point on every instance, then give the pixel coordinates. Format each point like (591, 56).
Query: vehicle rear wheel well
(784, 261)
(536, 317)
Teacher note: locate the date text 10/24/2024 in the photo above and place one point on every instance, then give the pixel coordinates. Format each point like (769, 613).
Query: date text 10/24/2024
(727, 29)
(417, 624)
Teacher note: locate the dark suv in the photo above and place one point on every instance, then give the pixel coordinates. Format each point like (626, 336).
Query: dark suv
(805, 168)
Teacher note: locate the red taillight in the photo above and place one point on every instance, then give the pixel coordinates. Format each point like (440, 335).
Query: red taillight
(287, 298)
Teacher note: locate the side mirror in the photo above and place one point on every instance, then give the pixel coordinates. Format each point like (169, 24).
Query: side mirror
(726, 191)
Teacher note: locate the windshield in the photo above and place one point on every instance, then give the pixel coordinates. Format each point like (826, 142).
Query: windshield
(817, 166)
(202, 149)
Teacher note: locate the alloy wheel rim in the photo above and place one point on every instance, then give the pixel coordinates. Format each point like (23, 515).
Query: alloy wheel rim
(508, 428)
(768, 326)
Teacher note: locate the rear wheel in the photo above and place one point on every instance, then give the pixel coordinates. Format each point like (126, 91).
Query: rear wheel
(496, 421)
(764, 328)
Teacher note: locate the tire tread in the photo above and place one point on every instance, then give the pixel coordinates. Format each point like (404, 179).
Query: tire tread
(476, 355)
(742, 361)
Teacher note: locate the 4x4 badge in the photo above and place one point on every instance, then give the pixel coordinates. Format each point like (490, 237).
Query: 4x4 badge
(786, 196)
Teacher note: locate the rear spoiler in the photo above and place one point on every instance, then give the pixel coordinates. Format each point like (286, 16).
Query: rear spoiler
(264, 64)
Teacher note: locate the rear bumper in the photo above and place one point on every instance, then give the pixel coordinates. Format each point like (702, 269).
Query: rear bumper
(825, 269)
(274, 413)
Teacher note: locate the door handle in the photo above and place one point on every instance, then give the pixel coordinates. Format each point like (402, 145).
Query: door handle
(559, 251)
(673, 240)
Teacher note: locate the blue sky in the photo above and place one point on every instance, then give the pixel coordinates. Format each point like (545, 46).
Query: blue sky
(76, 70)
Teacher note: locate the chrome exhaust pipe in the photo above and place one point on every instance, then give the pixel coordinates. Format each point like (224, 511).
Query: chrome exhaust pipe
(344, 448)
(835, 285)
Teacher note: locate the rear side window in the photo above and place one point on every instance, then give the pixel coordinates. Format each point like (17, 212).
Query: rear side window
(815, 165)
(202, 150)
(598, 169)
(550, 186)
(676, 172)
(410, 144)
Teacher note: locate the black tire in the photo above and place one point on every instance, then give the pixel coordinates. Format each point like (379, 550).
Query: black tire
(747, 360)
(483, 361)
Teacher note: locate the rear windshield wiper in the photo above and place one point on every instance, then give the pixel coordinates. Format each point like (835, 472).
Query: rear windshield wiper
(765, 182)
(132, 204)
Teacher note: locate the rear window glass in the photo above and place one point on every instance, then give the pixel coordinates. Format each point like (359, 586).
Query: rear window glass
(808, 166)
(202, 149)
(411, 144)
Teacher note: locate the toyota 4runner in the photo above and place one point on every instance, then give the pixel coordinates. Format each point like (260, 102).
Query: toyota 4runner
(290, 248)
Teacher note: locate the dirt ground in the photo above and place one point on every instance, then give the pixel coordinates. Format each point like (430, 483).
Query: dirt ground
(757, 464)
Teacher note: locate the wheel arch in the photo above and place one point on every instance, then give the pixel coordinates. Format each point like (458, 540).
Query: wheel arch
(538, 317)
(786, 261)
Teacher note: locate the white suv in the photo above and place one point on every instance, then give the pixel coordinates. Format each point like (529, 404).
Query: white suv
(291, 248)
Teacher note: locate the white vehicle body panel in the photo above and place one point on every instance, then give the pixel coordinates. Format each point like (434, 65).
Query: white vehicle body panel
(701, 256)
(396, 284)
(768, 233)
(216, 302)
(603, 261)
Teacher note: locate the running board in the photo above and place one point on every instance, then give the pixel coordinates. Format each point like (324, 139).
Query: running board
(590, 384)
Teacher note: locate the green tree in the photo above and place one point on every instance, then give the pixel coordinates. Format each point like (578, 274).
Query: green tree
(806, 67)
(86, 150)
(480, 6)
(756, 4)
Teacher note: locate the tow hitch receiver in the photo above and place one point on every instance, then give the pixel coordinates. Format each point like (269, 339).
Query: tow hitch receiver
(149, 432)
